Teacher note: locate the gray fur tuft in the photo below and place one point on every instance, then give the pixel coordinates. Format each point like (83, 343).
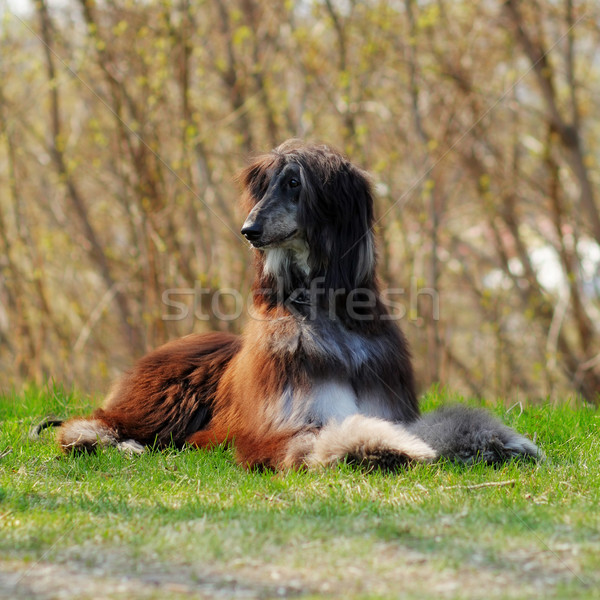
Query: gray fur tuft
(472, 435)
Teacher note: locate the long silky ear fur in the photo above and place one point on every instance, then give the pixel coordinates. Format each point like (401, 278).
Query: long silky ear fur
(254, 180)
(336, 213)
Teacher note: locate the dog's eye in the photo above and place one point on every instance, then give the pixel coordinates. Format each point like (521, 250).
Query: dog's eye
(293, 182)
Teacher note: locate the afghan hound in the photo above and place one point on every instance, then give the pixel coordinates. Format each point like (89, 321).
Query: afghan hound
(322, 373)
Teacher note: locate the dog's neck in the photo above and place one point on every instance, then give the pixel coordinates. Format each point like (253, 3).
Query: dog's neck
(285, 279)
(279, 262)
(284, 275)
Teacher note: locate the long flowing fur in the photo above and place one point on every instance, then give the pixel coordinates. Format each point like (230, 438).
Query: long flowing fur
(321, 374)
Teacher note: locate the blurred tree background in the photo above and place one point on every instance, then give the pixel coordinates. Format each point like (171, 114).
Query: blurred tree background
(123, 123)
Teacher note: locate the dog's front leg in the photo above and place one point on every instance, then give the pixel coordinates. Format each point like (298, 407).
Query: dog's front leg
(363, 441)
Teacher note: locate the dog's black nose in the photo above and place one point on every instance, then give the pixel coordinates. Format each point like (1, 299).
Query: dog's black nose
(252, 232)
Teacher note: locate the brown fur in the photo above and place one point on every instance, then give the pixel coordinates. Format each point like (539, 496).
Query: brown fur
(168, 394)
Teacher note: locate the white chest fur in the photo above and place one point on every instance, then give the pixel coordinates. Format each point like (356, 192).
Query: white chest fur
(326, 402)
(331, 401)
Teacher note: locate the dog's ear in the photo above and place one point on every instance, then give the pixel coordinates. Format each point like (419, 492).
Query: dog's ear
(254, 180)
(336, 213)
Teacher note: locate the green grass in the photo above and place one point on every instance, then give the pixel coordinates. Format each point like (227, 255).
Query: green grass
(192, 524)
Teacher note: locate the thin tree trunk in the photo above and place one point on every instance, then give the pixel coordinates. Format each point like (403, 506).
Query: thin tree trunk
(96, 252)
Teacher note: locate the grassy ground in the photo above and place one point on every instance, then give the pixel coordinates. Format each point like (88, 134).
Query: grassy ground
(194, 525)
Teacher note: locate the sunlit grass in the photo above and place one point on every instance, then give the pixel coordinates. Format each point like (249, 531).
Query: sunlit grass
(338, 532)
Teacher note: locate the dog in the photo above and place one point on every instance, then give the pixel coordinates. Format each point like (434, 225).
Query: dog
(321, 373)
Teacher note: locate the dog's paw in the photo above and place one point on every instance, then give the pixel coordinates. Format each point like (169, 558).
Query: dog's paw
(384, 459)
(368, 442)
(130, 447)
(493, 449)
(496, 443)
(515, 446)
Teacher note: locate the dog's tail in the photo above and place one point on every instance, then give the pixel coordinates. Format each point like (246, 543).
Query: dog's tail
(85, 435)
(472, 435)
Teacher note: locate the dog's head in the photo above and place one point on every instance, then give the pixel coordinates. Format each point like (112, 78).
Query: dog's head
(311, 197)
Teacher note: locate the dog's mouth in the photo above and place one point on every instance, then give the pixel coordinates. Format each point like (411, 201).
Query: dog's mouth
(261, 245)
